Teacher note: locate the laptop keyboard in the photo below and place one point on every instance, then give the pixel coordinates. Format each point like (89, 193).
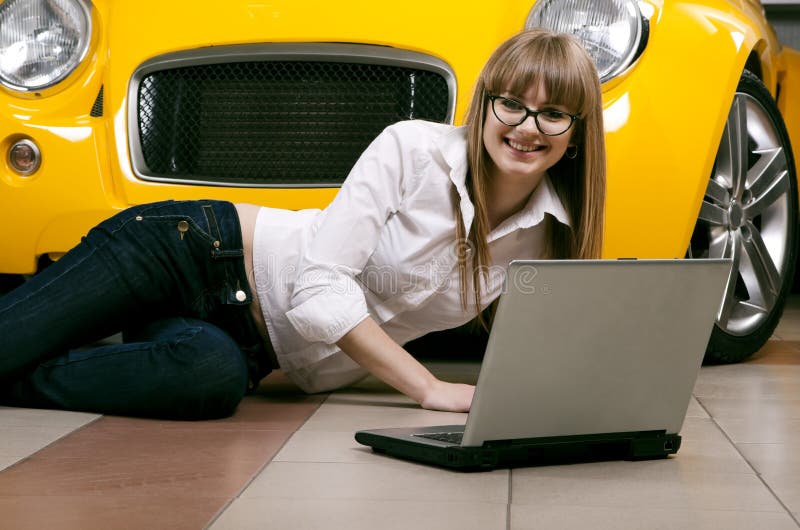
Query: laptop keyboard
(448, 437)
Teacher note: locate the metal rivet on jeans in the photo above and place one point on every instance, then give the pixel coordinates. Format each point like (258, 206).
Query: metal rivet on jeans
(216, 244)
(240, 296)
(183, 227)
(138, 217)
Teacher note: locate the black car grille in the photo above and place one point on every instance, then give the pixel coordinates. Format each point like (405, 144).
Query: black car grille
(275, 123)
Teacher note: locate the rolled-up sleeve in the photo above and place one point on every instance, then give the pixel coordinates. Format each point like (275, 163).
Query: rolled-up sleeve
(328, 301)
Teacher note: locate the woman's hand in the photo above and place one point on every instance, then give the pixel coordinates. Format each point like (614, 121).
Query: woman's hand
(448, 397)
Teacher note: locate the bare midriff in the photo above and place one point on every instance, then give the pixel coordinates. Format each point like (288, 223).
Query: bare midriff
(248, 213)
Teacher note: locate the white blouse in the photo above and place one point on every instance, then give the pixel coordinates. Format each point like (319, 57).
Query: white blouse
(385, 247)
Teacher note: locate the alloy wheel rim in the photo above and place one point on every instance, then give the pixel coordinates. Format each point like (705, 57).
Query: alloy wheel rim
(745, 216)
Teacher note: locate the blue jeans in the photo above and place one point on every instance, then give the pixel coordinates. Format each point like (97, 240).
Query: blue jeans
(171, 277)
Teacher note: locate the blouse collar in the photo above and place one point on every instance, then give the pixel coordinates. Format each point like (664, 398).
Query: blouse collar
(543, 200)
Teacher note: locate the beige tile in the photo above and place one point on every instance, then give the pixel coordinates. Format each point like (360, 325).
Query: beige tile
(788, 329)
(696, 456)
(325, 446)
(695, 410)
(762, 430)
(786, 487)
(650, 484)
(26, 431)
(326, 514)
(773, 459)
(748, 381)
(385, 479)
(602, 518)
(18, 417)
(24, 441)
(705, 448)
(777, 409)
(702, 430)
(341, 413)
(6, 461)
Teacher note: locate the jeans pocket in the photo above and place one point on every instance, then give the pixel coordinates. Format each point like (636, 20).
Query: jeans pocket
(182, 227)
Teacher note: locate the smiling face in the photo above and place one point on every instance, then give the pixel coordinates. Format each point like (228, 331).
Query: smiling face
(522, 154)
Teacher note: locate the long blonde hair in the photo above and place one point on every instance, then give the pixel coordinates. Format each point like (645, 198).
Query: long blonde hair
(565, 69)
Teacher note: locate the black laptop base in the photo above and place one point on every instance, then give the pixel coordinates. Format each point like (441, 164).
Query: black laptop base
(528, 452)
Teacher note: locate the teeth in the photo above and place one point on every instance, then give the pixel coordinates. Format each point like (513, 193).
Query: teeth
(524, 148)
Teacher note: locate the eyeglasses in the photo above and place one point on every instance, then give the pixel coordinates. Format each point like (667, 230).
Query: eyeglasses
(549, 122)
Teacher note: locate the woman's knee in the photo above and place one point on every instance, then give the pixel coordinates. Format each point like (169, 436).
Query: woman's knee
(210, 375)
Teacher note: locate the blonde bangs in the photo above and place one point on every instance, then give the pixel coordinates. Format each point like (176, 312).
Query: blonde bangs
(541, 62)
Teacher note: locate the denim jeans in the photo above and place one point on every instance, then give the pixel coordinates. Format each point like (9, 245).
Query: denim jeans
(171, 277)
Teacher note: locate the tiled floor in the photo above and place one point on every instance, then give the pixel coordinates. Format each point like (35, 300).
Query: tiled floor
(287, 460)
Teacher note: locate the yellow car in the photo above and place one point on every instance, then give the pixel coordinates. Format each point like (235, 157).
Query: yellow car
(109, 103)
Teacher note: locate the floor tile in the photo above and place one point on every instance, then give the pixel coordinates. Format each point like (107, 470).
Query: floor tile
(787, 489)
(761, 430)
(702, 429)
(773, 458)
(25, 431)
(695, 410)
(749, 382)
(788, 328)
(119, 475)
(696, 456)
(524, 517)
(342, 413)
(65, 512)
(134, 440)
(6, 461)
(649, 484)
(705, 448)
(777, 410)
(385, 479)
(325, 446)
(778, 352)
(327, 514)
(139, 473)
(23, 441)
(19, 417)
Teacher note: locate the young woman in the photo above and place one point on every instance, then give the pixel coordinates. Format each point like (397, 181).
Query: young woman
(211, 296)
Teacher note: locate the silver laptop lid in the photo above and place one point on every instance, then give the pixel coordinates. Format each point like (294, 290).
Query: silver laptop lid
(595, 346)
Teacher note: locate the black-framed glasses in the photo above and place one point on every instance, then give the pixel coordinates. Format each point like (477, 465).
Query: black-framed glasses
(550, 122)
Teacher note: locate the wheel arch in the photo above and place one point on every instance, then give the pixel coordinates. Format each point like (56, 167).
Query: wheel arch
(709, 45)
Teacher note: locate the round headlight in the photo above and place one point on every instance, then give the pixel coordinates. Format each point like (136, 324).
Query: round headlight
(42, 41)
(610, 30)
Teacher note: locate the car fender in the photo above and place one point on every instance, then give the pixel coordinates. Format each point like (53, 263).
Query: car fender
(789, 95)
(664, 118)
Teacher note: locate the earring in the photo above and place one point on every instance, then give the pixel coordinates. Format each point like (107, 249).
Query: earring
(573, 153)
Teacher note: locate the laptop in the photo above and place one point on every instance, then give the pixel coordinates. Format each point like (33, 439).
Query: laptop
(587, 360)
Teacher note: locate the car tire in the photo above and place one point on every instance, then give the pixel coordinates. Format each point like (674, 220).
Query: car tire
(749, 214)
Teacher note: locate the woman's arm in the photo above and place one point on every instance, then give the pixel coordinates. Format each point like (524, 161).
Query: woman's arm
(369, 346)
(327, 300)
